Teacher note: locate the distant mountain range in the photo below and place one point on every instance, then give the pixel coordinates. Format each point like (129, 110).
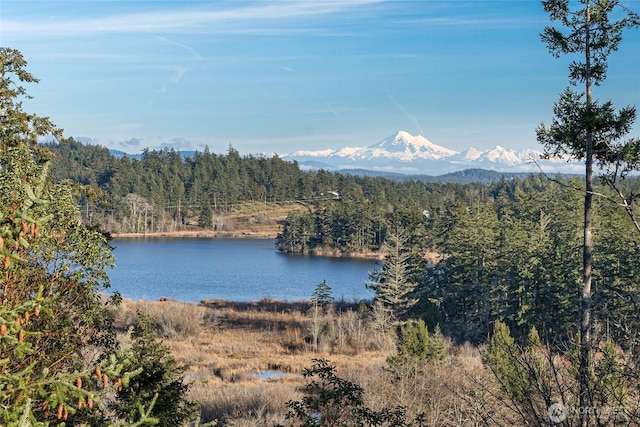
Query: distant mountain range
(410, 154)
(407, 154)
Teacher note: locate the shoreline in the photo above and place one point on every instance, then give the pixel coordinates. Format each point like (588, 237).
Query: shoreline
(429, 256)
(210, 234)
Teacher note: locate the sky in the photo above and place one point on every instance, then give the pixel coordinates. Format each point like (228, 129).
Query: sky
(276, 76)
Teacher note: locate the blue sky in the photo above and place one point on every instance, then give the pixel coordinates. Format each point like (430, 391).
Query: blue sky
(278, 76)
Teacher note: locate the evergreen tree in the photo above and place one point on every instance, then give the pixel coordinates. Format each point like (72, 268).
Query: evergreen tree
(616, 304)
(331, 400)
(320, 299)
(160, 378)
(52, 265)
(322, 294)
(585, 129)
(464, 281)
(205, 218)
(296, 234)
(396, 282)
(60, 357)
(416, 343)
(502, 355)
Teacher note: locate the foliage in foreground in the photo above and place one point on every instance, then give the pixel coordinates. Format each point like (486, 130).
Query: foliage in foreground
(535, 380)
(334, 401)
(584, 128)
(60, 361)
(159, 377)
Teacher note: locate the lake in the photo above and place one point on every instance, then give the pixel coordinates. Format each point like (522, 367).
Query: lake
(193, 269)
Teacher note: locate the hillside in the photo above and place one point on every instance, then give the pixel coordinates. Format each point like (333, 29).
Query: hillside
(251, 219)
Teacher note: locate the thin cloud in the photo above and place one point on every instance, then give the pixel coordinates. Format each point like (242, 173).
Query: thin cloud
(178, 74)
(182, 20)
(131, 143)
(409, 115)
(194, 53)
(332, 110)
(178, 143)
(448, 21)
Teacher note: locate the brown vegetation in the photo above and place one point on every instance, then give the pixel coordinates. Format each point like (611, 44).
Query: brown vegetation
(249, 220)
(245, 359)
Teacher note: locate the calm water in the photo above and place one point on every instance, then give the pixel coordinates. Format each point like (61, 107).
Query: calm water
(190, 270)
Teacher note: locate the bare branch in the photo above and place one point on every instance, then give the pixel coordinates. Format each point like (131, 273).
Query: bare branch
(594, 193)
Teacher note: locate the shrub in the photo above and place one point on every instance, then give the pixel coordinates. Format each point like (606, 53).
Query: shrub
(416, 342)
(160, 377)
(52, 267)
(334, 401)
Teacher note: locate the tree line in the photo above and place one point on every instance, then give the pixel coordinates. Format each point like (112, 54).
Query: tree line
(548, 279)
(508, 251)
(504, 251)
(163, 189)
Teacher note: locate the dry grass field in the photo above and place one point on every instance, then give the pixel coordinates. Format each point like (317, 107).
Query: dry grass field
(245, 359)
(249, 219)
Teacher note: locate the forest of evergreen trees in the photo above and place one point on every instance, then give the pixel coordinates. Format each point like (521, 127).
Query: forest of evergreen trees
(507, 251)
(167, 188)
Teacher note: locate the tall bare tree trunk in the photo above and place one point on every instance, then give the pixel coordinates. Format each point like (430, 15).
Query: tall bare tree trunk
(585, 305)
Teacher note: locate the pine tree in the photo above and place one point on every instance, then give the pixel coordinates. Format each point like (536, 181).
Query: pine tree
(585, 129)
(53, 267)
(417, 343)
(396, 282)
(502, 355)
(322, 294)
(205, 218)
(320, 299)
(160, 378)
(60, 356)
(465, 278)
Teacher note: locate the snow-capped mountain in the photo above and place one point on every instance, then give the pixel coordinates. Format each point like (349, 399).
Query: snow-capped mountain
(498, 157)
(402, 146)
(406, 153)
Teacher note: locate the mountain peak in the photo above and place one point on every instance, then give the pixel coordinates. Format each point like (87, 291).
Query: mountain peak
(406, 153)
(405, 146)
(497, 154)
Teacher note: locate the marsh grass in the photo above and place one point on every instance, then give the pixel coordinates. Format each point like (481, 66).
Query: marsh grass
(225, 344)
(257, 403)
(172, 319)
